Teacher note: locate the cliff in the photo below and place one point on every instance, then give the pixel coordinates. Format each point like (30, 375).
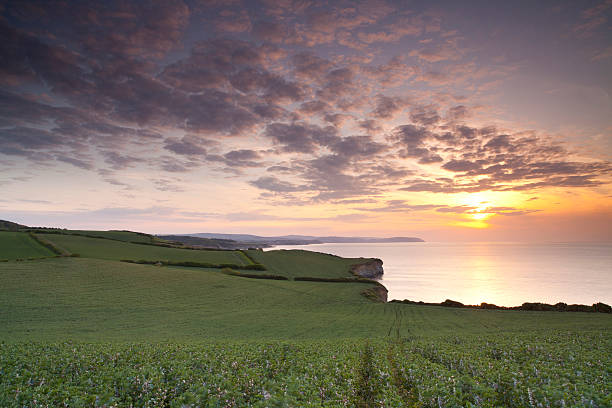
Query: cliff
(371, 269)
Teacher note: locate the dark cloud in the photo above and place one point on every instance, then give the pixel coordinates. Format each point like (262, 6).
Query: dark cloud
(80, 163)
(23, 141)
(301, 137)
(117, 84)
(369, 125)
(314, 107)
(273, 184)
(242, 158)
(271, 31)
(118, 161)
(310, 66)
(461, 165)
(387, 106)
(233, 21)
(338, 84)
(352, 146)
(424, 115)
(458, 112)
(187, 145)
(110, 28)
(411, 142)
(393, 73)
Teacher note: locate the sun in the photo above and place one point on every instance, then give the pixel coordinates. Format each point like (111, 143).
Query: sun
(479, 216)
(478, 200)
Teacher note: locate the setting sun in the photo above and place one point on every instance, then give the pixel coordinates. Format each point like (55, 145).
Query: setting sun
(480, 216)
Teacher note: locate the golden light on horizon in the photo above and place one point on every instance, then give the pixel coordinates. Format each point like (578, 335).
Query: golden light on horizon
(479, 224)
(480, 216)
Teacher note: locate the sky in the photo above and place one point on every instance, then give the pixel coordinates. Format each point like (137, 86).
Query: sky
(446, 120)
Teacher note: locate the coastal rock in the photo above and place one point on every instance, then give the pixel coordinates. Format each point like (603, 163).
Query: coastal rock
(371, 269)
(376, 294)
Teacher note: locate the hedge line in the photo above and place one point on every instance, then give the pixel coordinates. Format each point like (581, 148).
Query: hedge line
(48, 244)
(78, 234)
(339, 280)
(178, 245)
(232, 272)
(536, 307)
(255, 267)
(249, 257)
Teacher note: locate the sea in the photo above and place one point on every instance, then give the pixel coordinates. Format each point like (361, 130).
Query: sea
(506, 274)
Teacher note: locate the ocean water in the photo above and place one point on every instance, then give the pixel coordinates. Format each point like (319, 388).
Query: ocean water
(506, 274)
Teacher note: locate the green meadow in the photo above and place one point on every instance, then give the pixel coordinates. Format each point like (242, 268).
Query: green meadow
(298, 263)
(99, 248)
(19, 245)
(92, 331)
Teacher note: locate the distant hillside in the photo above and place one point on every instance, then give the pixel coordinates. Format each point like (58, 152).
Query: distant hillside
(10, 226)
(218, 243)
(299, 239)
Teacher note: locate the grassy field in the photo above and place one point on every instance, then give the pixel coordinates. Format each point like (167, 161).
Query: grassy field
(295, 263)
(19, 245)
(94, 332)
(114, 250)
(556, 369)
(126, 236)
(100, 300)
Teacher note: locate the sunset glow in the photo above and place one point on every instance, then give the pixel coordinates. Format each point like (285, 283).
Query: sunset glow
(442, 120)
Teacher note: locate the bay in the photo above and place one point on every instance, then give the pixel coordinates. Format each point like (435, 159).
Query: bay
(506, 274)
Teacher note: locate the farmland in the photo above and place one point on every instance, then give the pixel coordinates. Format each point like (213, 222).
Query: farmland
(297, 263)
(556, 369)
(94, 331)
(115, 250)
(17, 245)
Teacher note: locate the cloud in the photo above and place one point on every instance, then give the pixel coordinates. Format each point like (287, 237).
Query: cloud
(273, 184)
(424, 115)
(300, 137)
(146, 88)
(393, 73)
(167, 185)
(118, 161)
(387, 106)
(459, 209)
(592, 19)
(233, 21)
(461, 165)
(187, 145)
(602, 54)
(444, 50)
(310, 66)
(270, 31)
(353, 146)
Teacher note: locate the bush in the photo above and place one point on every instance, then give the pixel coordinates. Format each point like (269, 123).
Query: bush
(229, 271)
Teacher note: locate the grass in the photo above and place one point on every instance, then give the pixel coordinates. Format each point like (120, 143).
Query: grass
(126, 236)
(19, 245)
(93, 331)
(99, 300)
(297, 263)
(115, 250)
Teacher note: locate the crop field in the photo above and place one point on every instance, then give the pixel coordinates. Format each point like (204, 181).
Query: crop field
(19, 245)
(298, 263)
(115, 250)
(558, 369)
(95, 332)
(126, 236)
